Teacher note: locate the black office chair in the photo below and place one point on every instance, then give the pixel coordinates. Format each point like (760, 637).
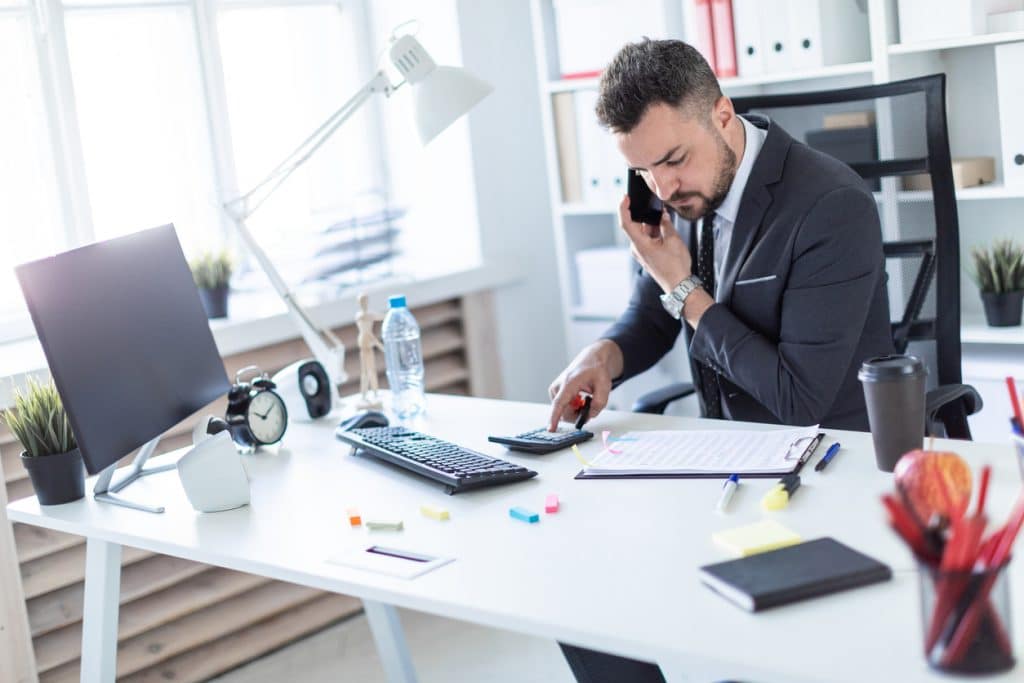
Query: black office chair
(949, 404)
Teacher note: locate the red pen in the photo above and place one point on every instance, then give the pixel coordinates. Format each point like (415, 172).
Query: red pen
(1018, 423)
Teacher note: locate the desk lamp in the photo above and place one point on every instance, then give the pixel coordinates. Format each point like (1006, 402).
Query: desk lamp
(441, 94)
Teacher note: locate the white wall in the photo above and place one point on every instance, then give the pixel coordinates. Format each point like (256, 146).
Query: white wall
(512, 196)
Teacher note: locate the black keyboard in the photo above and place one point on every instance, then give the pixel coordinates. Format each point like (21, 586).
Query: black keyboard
(458, 468)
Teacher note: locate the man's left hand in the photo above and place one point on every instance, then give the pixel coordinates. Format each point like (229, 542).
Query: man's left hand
(658, 249)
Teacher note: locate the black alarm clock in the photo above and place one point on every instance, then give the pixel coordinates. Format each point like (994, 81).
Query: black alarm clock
(256, 414)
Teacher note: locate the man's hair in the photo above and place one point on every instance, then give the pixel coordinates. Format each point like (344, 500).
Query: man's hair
(651, 72)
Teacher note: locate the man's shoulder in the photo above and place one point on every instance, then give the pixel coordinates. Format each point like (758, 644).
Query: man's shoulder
(813, 174)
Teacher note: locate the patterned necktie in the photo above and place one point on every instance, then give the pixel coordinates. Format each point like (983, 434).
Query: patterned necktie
(710, 393)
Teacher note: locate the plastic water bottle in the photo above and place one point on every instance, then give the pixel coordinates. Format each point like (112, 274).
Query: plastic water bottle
(403, 358)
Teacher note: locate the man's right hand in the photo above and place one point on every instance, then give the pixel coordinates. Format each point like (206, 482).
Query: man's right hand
(590, 372)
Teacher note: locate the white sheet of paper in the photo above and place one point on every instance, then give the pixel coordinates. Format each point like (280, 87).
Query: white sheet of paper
(693, 452)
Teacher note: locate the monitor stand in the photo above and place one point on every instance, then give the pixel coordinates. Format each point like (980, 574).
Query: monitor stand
(104, 491)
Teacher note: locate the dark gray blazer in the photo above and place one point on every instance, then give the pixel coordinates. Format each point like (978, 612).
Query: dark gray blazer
(801, 301)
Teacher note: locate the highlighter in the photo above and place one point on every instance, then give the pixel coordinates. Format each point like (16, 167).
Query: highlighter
(778, 497)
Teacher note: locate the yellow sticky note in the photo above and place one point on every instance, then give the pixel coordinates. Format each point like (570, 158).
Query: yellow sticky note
(434, 512)
(755, 538)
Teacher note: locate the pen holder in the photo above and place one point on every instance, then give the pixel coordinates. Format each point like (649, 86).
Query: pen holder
(966, 618)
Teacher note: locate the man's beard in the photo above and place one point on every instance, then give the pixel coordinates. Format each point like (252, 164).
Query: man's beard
(726, 174)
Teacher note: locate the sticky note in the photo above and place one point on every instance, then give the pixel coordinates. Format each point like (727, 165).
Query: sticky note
(353, 517)
(551, 503)
(755, 538)
(384, 524)
(523, 515)
(434, 512)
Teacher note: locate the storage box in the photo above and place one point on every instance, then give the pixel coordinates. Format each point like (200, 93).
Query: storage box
(922, 20)
(849, 119)
(967, 172)
(850, 145)
(590, 32)
(1006, 22)
(605, 277)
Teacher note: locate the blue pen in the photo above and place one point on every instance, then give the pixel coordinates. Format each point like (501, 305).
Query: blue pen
(728, 489)
(827, 458)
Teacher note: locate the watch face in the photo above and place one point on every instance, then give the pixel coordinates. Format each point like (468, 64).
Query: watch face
(267, 417)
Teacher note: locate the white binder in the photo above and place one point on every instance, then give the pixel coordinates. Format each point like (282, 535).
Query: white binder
(747, 32)
(595, 148)
(1009, 61)
(827, 32)
(775, 43)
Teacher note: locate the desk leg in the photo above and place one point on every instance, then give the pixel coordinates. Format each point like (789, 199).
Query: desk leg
(100, 610)
(391, 647)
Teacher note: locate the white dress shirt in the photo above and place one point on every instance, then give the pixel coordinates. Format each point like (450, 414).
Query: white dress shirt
(725, 215)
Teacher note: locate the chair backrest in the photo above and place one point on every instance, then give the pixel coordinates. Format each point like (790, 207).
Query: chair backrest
(939, 255)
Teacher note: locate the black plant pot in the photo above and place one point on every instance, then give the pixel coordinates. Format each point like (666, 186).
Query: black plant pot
(1003, 309)
(56, 478)
(215, 301)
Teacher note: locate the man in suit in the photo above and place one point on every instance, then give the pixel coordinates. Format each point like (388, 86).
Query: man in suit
(769, 256)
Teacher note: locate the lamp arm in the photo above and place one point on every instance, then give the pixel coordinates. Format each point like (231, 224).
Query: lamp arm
(325, 345)
(242, 207)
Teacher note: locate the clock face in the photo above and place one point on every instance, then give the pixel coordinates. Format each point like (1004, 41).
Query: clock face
(267, 417)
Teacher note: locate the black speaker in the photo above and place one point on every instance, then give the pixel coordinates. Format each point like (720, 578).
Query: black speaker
(306, 390)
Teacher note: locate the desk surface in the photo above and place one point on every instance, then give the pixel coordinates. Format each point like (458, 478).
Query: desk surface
(614, 569)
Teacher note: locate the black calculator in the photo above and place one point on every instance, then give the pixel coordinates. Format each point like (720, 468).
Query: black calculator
(542, 441)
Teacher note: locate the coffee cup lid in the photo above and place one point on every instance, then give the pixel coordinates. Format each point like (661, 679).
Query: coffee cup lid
(891, 367)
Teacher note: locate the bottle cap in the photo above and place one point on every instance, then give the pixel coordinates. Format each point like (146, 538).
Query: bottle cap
(397, 301)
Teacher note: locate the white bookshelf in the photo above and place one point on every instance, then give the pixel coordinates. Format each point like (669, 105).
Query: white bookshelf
(985, 212)
(963, 194)
(955, 43)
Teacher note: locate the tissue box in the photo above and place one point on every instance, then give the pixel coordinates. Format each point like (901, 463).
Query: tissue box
(605, 277)
(967, 172)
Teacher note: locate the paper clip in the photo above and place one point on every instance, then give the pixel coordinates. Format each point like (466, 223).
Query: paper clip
(604, 437)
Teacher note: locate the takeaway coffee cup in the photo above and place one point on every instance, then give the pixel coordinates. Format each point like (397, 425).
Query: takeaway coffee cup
(894, 392)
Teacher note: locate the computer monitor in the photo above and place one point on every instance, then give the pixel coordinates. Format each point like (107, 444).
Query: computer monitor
(127, 341)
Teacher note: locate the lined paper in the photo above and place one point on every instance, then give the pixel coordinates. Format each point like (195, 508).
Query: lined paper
(734, 451)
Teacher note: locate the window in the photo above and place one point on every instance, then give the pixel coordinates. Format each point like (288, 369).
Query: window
(120, 115)
(435, 182)
(30, 215)
(142, 122)
(286, 70)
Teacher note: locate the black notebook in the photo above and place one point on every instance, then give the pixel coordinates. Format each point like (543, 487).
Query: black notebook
(797, 572)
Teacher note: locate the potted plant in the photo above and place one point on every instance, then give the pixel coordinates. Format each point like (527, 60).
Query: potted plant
(212, 272)
(999, 274)
(51, 454)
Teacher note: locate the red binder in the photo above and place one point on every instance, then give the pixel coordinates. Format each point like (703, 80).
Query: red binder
(704, 33)
(723, 38)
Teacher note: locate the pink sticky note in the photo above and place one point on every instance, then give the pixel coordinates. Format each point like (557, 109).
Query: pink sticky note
(551, 503)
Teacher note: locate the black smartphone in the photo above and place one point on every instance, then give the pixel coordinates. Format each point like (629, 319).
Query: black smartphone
(644, 206)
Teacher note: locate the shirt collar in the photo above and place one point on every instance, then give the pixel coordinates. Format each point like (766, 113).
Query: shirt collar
(754, 141)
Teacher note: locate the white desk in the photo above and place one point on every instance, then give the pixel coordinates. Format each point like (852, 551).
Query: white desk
(615, 569)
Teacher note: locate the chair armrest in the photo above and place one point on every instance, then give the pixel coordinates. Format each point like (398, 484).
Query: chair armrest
(947, 408)
(656, 401)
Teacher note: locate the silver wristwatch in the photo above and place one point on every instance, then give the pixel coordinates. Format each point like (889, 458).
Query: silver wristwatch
(676, 299)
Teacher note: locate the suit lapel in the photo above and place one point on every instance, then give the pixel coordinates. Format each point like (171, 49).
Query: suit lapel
(757, 197)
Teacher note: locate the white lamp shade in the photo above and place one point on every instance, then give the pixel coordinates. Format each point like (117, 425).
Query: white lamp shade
(445, 94)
